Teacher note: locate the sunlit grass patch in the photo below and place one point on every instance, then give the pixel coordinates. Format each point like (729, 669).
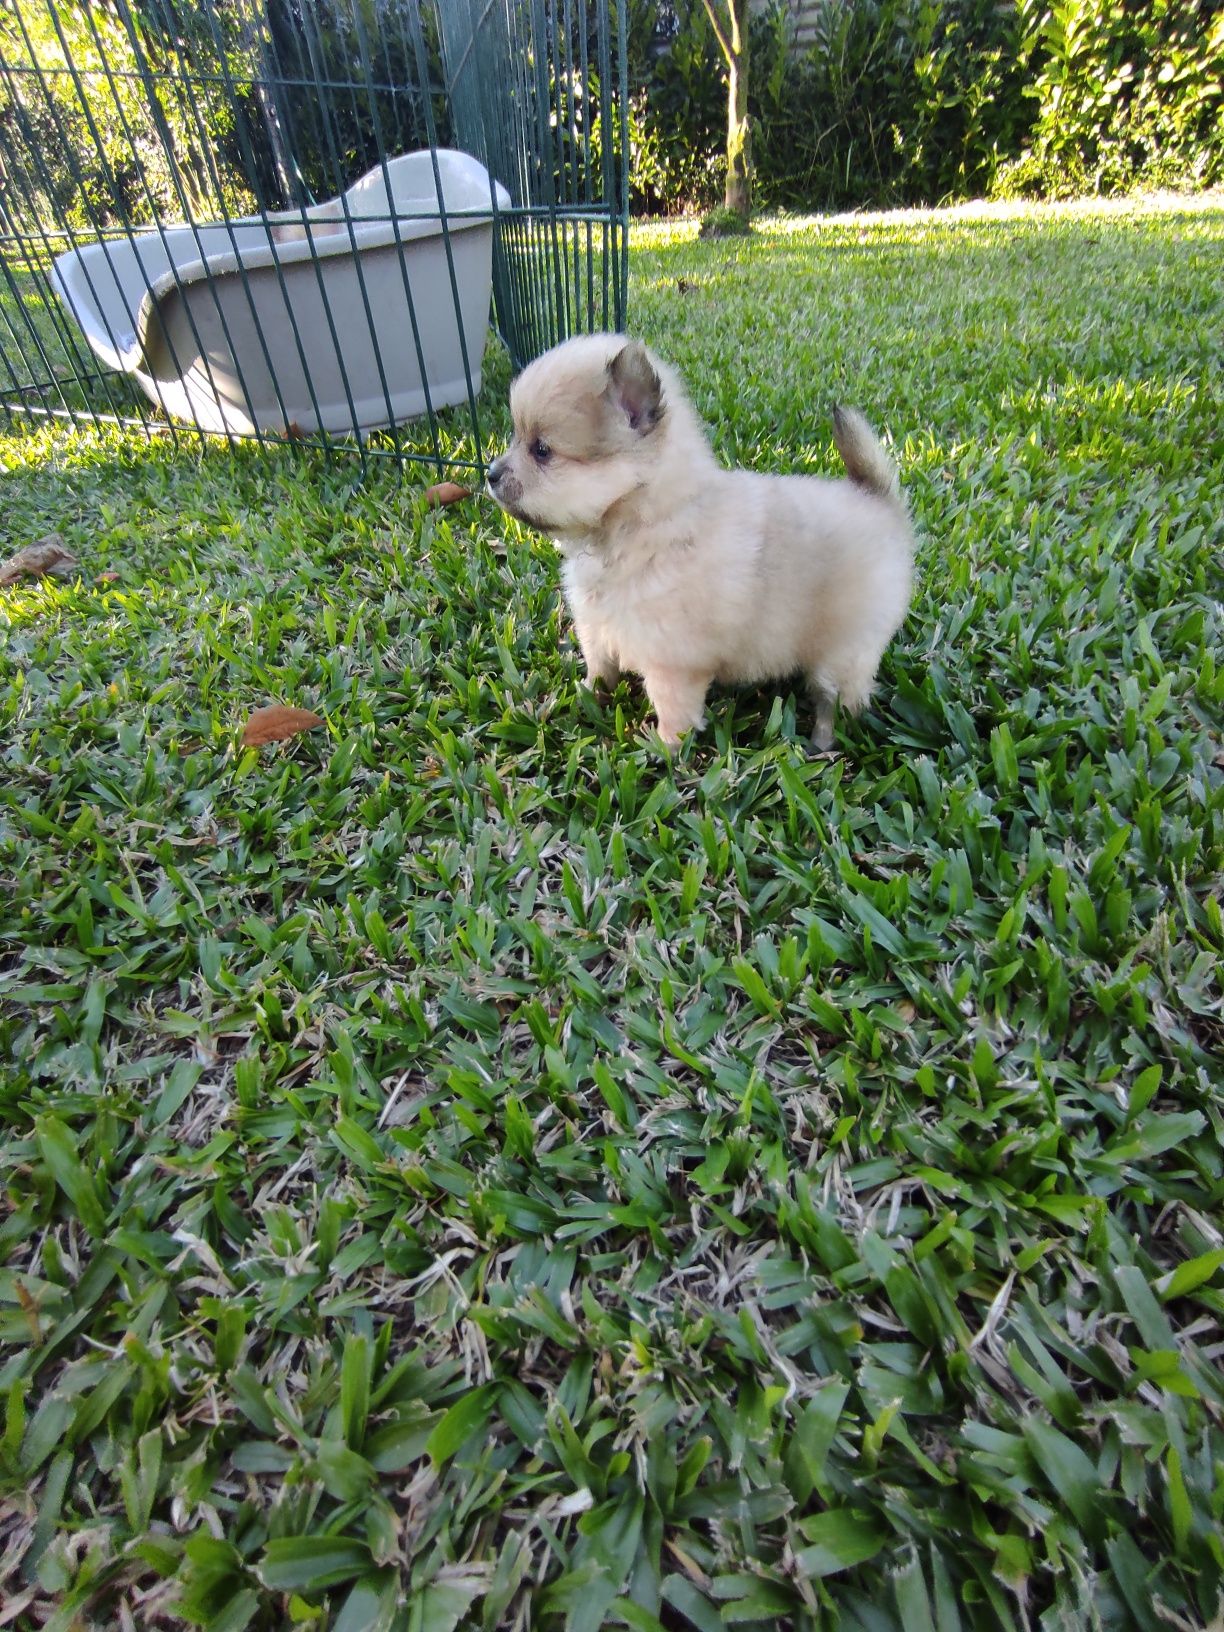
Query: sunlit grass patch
(464, 1172)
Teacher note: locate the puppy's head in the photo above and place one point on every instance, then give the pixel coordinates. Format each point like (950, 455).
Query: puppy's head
(588, 417)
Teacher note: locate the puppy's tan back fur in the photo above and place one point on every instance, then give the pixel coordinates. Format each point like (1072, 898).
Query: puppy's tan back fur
(684, 572)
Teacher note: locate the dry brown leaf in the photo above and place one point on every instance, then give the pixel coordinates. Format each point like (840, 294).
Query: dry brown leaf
(107, 578)
(446, 493)
(29, 1309)
(274, 723)
(50, 554)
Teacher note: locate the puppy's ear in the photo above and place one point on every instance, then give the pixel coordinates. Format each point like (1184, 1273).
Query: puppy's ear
(635, 387)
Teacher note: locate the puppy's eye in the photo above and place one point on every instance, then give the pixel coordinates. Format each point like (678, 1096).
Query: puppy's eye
(540, 450)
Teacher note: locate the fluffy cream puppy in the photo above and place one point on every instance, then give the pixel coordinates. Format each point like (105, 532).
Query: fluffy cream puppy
(685, 573)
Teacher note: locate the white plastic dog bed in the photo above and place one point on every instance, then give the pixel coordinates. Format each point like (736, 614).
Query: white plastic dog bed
(280, 324)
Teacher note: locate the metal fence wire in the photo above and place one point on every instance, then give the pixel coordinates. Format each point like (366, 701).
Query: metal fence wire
(287, 219)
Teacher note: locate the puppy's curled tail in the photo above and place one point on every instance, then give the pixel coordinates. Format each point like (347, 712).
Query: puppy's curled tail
(864, 456)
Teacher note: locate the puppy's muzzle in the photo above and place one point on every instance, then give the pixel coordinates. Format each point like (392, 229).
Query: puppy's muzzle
(504, 487)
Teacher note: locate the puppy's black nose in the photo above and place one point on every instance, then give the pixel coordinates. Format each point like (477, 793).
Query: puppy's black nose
(496, 471)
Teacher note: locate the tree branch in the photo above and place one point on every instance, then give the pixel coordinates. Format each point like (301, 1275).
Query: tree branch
(716, 22)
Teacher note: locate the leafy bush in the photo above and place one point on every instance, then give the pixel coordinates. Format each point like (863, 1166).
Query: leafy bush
(917, 101)
(163, 108)
(346, 77)
(724, 222)
(678, 108)
(1126, 96)
(898, 101)
(98, 124)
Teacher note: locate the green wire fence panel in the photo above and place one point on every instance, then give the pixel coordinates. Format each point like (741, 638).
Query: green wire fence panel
(286, 218)
(536, 91)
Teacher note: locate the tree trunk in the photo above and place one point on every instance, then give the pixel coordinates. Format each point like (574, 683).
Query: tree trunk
(739, 134)
(729, 19)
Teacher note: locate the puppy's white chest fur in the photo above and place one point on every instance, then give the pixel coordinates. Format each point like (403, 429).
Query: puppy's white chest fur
(626, 578)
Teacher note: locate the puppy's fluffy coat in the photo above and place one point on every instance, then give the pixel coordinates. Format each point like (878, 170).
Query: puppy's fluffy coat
(686, 573)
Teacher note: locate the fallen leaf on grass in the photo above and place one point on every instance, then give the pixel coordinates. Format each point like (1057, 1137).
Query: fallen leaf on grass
(29, 1308)
(107, 578)
(50, 554)
(274, 723)
(446, 493)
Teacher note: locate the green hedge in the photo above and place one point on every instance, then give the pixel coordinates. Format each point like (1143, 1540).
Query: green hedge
(920, 101)
(1126, 95)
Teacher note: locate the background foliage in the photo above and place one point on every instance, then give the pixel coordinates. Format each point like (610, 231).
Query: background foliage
(143, 108)
(373, 60)
(1125, 95)
(910, 101)
(136, 110)
(104, 116)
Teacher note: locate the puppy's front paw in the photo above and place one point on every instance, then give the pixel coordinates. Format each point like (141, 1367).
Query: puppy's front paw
(679, 698)
(601, 681)
(673, 736)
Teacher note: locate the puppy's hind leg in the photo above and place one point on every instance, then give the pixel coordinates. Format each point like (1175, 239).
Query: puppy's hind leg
(825, 707)
(602, 671)
(850, 685)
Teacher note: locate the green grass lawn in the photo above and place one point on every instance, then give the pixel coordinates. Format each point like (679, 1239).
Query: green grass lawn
(463, 1171)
